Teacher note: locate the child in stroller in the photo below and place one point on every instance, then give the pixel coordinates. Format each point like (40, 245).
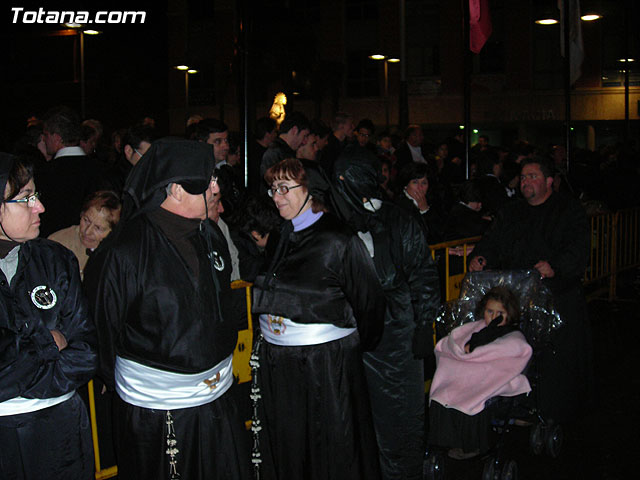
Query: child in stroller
(477, 361)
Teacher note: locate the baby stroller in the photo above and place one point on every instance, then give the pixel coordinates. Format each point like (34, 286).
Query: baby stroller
(538, 321)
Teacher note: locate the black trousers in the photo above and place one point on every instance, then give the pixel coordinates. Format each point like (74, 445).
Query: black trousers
(53, 444)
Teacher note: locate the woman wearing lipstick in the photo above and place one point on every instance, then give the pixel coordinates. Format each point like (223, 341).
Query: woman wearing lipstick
(100, 213)
(320, 304)
(47, 345)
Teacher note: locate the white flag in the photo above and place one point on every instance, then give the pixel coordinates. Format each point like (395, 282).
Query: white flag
(575, 38)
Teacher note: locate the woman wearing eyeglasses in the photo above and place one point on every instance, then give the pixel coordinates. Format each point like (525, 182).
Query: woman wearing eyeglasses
(320, 304)
(47, 345)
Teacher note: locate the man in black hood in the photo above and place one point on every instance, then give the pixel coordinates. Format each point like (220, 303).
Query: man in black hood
(395, 369)
(159, 290)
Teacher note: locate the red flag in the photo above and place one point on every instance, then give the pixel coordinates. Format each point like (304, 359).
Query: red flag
(479, 24)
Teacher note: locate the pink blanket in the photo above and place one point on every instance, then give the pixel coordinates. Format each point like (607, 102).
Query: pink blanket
(465, 381)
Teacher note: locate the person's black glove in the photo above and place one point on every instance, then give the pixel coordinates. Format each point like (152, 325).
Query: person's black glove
(422, 342)
(489, 333)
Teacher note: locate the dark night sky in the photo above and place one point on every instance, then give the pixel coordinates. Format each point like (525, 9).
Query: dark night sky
(126, 66)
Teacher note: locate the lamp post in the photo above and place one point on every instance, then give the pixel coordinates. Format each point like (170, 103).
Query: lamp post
(81, 32)
(187, 71)
(386, 60)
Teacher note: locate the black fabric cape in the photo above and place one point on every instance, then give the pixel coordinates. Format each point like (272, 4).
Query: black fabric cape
(149, 308)
(556, 231)
(31, 365)
(326, 276)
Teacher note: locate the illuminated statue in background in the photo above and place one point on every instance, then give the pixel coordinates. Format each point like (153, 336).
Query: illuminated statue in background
(277, 109)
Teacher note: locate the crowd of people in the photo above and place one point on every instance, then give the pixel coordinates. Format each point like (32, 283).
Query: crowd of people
(332, 224)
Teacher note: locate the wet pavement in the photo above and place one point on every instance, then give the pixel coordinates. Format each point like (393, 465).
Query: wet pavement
(604, 444)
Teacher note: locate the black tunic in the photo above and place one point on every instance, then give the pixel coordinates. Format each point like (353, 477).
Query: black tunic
(154, 306)
(556, 231)
(31, 366)
(315, 408)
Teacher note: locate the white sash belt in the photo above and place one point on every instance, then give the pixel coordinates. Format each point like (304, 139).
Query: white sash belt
(15, 406)
(282, 331)
(149, 387)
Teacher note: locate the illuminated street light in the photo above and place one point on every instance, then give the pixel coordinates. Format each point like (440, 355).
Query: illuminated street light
(590, 17)
(187, 71)
(387, 60)
(546, 21)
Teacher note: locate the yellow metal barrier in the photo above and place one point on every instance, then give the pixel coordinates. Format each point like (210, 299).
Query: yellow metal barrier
(459, 249)
(242, 353)
(100, 473)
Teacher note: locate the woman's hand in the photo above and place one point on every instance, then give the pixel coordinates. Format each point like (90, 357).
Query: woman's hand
(421, 200)
(61, 342)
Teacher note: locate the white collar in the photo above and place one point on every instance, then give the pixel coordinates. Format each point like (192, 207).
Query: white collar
(70, 152)
(373, 204)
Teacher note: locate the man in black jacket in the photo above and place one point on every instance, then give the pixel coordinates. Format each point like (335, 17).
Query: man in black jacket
(548, 232)
(70, 176)
(293, 134)
(395, 369)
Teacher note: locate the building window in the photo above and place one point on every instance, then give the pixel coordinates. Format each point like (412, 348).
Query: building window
(362, 75)
(361, 9)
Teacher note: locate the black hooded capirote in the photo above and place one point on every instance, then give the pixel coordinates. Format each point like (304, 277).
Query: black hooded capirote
(395, 369)
(159, 290)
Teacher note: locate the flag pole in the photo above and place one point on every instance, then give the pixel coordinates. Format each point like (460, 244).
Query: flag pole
(467, 83)
(566, 19)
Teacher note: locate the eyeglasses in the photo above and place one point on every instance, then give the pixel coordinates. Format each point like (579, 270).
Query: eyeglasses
(281, 190)
(530, 176)
(136, 150)
(30, 200)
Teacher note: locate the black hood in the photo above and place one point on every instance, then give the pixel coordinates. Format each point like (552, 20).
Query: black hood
(169, 160)
(357, 175)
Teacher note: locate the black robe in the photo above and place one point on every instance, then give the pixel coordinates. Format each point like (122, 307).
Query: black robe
(394, 376)
(556, 231)
(315, 409)
(31, 366)
(152, 308)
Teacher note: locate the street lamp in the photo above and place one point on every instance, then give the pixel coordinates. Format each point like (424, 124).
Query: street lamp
(386, 60)
(81, 32)
(187, 71)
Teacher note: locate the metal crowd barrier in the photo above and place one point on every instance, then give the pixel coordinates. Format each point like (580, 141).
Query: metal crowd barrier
(614, 248)
(443, 253)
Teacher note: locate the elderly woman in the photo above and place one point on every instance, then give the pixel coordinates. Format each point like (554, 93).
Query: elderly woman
(100, 213)
(414, 185)
(47, 347)
(320, 304)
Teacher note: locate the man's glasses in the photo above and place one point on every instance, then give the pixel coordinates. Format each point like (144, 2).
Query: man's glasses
(30, 200)
(281, 190)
